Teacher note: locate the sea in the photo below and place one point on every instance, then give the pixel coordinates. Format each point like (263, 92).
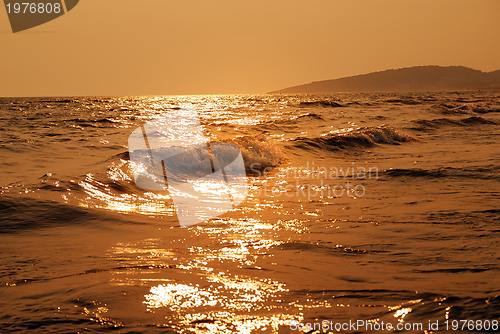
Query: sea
(365, 213)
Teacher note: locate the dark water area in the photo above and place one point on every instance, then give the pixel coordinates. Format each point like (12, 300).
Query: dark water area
(361, 207)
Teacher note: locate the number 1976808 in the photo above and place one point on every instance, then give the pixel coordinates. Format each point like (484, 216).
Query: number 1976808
(34, 8)
(477, 325)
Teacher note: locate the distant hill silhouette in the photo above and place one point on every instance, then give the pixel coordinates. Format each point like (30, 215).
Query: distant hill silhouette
(418, 78)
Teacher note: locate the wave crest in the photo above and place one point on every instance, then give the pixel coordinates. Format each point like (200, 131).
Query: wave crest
(320, 103)
(259, 153)
(310, 116)
(360, 138)
(425, 124)
(469, 108)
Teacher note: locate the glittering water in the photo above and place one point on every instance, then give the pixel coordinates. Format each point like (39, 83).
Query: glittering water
(375, 207)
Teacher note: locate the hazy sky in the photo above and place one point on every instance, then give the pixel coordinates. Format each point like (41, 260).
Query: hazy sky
(163, 47)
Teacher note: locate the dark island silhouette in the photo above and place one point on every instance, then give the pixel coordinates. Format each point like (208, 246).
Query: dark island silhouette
(418, 78)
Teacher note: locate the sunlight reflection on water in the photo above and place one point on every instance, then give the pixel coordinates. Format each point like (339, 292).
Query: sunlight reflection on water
(218, 299)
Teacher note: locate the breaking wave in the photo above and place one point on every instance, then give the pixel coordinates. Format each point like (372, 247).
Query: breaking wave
(259, 153)
(360, 138)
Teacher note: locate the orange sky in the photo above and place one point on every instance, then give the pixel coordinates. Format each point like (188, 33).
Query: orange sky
(163, 47)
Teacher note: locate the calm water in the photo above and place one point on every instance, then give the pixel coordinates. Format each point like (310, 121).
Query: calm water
(381, 207)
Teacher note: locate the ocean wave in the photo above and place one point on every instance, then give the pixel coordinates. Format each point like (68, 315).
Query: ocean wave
(21, 214)
(467, 100)
(289, 124)
(56, 101)
(425, 124)
(259, 153)
(408, 101)
(490, 172)
(320, 103)
(469, 108)
(323, 248)
(115, 189)
(415, 172)
(360, 138)
(451, 109)
(272, 127)
(309, 116)
(91, 122)
(484, 109)
(123, 155)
